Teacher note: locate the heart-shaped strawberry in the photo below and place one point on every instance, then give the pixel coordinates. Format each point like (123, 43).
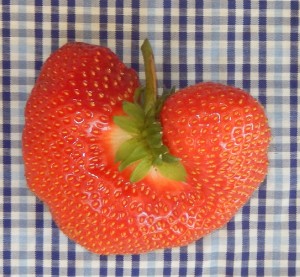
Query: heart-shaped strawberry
(125, 171)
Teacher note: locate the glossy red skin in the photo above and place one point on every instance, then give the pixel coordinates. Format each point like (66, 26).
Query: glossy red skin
(221, 133)
(69, 157)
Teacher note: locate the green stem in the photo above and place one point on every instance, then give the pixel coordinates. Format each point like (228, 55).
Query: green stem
(150, 74)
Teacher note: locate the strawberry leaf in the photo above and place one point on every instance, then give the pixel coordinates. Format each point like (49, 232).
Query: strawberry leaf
(153, 129)
(154, 141)
(141, 170)
(135, 111)
(138, 153)
(174, 170)
(126, 148)
(169, 158)
(126, 123)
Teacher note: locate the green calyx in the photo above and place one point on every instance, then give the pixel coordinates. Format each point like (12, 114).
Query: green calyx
(145, 148)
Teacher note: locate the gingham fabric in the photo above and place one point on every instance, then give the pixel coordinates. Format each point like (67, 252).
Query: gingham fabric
(250, 44)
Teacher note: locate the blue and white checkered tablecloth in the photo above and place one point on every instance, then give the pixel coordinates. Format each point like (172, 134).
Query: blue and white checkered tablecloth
(250, 44)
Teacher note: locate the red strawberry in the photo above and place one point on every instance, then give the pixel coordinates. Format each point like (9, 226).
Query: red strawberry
(124, 172)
